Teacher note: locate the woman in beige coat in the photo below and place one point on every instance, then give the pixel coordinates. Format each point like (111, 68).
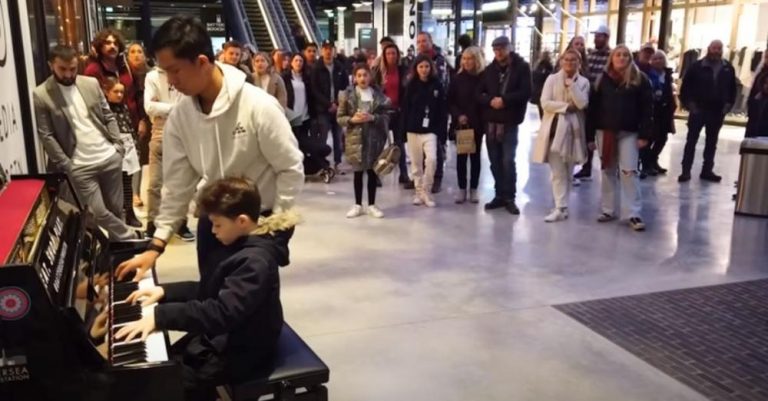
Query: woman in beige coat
(562, 141)
(265, 78)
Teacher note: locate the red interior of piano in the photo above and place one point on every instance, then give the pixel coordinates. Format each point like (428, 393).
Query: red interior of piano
(16, 204)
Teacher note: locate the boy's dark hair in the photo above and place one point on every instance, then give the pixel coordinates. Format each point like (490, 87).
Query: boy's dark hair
(108, 83)
(310, 44)
(360, 66)
(186, 37)
(101, 39)
(230, 197)
(63, 52)
(465, 40)
(232, 43)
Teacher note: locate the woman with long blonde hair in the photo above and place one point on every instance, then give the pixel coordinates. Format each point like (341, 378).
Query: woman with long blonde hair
(621, 109)
(466, 113)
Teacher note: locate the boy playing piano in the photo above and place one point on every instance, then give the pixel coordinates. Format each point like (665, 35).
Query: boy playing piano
(233, 315)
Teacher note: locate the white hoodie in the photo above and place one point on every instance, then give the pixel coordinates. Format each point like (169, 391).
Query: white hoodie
(245, 135)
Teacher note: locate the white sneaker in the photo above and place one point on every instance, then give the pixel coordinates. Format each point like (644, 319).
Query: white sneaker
(557, 215)
(417, 201)
(461, 196)
(373, 211)
(355, 211)
(473, 196)
(428, 201)
(576, 182)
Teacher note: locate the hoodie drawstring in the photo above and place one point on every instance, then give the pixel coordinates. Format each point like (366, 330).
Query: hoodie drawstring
(218, 147)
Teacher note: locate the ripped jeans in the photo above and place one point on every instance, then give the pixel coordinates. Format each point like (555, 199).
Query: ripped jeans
(625, 171)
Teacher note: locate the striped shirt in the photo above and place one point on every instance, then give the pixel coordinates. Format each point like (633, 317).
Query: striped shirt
(596, 62)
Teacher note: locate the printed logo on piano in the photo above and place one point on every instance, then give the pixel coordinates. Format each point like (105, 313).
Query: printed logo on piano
(14, 303)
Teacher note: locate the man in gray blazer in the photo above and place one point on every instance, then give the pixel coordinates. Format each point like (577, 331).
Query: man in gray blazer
(81, 138)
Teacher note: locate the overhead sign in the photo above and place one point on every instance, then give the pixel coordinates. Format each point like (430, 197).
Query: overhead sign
(410, 24)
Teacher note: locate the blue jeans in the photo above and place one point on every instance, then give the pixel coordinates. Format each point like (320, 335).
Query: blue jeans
(502, 157)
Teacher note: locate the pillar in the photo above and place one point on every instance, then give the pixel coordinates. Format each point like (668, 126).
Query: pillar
(621, 28)
(512, 12)
(564, 18)
(538, 20)
(476, 22)
(665, 24)
(456, 7)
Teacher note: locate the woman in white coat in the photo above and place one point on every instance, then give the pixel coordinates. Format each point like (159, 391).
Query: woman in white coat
(562, 141)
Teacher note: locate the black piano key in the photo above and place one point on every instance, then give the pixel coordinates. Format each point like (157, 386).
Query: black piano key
(124, 308)
(128, 348)
(129, 358)
(126, 318)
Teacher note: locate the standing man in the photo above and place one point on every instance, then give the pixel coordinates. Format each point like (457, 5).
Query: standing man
(81, 138)
(110, 61)
(503, 93)
(159, 99)
(328, 78)
(597, 59)
(425, 46)
(233, 53)
(708, 92)
(222, 127)
(310, 54)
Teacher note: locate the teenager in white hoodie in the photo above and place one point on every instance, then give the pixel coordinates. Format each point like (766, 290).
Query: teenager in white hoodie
(221, 127)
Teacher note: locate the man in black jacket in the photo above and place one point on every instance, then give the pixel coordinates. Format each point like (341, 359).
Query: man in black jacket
(233, 315)
(708, 92)
(504, 92)
(328, 77)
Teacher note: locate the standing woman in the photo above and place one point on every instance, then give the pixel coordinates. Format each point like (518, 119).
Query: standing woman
(138, 67)
(664, 107)
(561, 141)
(621, 109)
(265, 78)
(364, 112)
(391, 77)
(279, 62)
(539, 75)
(466, 113)
(579, 44)
(425, 116)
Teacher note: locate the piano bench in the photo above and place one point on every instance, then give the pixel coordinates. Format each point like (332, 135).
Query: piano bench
(298, 375)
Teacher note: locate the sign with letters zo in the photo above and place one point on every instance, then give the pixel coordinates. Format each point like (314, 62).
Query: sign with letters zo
(12, 154)
(410, 25)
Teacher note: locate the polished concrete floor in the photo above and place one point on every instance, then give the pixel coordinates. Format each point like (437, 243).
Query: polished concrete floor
(454, 303)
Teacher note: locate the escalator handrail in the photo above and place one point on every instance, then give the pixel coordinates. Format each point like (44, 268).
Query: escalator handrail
(265, 14)
(309, 16)
(284, 32)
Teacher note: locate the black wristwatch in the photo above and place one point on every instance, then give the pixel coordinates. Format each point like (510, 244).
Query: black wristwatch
(154, 247)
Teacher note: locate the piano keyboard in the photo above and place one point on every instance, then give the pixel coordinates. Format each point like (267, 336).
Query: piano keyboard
(134, 351)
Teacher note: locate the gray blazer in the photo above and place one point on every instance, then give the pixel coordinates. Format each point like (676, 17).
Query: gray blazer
(53, 125)
(275, 87)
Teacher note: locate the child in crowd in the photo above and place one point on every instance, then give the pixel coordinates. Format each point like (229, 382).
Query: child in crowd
(233, 315)
(363, 111)
(115, 94)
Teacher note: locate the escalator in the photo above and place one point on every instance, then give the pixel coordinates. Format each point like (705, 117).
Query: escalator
(258, 25)
(296, 15)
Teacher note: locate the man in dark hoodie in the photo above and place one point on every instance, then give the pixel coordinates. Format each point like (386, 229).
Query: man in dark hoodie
(233, 315)
(503, 93)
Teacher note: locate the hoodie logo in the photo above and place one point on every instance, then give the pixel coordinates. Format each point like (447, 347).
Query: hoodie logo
(239, 130)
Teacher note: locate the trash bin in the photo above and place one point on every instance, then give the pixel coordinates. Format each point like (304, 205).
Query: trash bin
(752, 195)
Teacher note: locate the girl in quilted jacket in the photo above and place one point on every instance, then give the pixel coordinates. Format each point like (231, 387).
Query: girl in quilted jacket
(363, 110)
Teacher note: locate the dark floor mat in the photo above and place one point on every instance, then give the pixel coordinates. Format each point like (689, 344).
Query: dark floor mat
(713, 339)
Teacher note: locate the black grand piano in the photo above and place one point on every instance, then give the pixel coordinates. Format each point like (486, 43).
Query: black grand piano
(60, 305)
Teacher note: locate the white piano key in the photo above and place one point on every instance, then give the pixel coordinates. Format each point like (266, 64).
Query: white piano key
(155, 344)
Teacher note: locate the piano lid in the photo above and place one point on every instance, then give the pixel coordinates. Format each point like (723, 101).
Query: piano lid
(16, 204)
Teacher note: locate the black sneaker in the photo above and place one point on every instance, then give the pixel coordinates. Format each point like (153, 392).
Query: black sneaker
(660, 170)
(132, 221)
(684, 177)
(404, 180)
(437, 185)
(512, 208)
(184, 234)
(711, 177)
(150, 230)
(496, 203)
(583, 174)
(409, 185)
(637, 224)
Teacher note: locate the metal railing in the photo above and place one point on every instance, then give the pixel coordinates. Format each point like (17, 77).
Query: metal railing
(309, 16)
